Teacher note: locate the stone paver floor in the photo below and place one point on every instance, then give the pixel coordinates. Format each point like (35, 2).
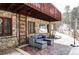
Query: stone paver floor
(56, 49)
(10, 52)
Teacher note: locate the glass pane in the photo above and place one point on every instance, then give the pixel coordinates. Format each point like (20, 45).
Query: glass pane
(7, 26)
(43, 28)
(0, 26)
(31, 27)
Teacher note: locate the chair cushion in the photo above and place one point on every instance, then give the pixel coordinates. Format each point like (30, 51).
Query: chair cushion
(41, 42)
(38, 40)
(39, 37)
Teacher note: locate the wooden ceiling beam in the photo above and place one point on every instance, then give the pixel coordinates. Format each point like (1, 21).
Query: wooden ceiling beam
(10, 6)
(19, 7)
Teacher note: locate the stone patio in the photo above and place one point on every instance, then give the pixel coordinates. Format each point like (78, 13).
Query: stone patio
(56, 49)
(10, 52)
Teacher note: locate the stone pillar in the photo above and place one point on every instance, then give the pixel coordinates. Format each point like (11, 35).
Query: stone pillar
(52, 28)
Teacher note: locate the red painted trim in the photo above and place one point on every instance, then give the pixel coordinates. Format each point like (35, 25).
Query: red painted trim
(2, 26)
(11, 26)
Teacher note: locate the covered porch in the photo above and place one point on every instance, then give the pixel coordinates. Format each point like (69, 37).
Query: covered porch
(26, 21)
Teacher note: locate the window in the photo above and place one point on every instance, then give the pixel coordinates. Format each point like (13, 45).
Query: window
(31, 27)
(43, 28)
(5, 26)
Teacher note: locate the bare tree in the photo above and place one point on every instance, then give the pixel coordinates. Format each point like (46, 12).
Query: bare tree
(74, 22)
(67, 17)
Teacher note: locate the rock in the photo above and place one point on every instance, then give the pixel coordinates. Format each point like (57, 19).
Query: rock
(11, 44)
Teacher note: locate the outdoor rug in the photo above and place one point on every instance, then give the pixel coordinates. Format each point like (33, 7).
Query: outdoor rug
(56, 49)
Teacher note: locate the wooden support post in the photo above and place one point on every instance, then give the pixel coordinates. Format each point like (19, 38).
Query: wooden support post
(26, 26)
(16, 24)
(49, 29)
(19, 29)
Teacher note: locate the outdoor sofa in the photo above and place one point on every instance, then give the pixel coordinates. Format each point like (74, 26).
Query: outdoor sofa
(49, 41)
(40, 41)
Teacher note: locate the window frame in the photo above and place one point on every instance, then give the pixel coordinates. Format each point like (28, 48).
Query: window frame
(3, 33)
(31, 31)
(45, 25)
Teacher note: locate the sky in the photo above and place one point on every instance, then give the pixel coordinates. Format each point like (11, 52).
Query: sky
(60, 4)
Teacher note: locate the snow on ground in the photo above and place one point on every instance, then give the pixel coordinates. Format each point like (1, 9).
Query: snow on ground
(74, 51)
(65, 39)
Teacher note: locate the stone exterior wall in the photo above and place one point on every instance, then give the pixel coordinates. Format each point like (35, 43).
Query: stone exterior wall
(52, 28)
(7, 42)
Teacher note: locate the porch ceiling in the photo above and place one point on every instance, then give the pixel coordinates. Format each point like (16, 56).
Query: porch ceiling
(21, 8)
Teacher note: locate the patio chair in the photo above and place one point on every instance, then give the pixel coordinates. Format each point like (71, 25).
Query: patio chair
(49, 41)
(37, 42)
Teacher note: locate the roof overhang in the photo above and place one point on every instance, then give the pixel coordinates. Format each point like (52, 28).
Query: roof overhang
(25, 9)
